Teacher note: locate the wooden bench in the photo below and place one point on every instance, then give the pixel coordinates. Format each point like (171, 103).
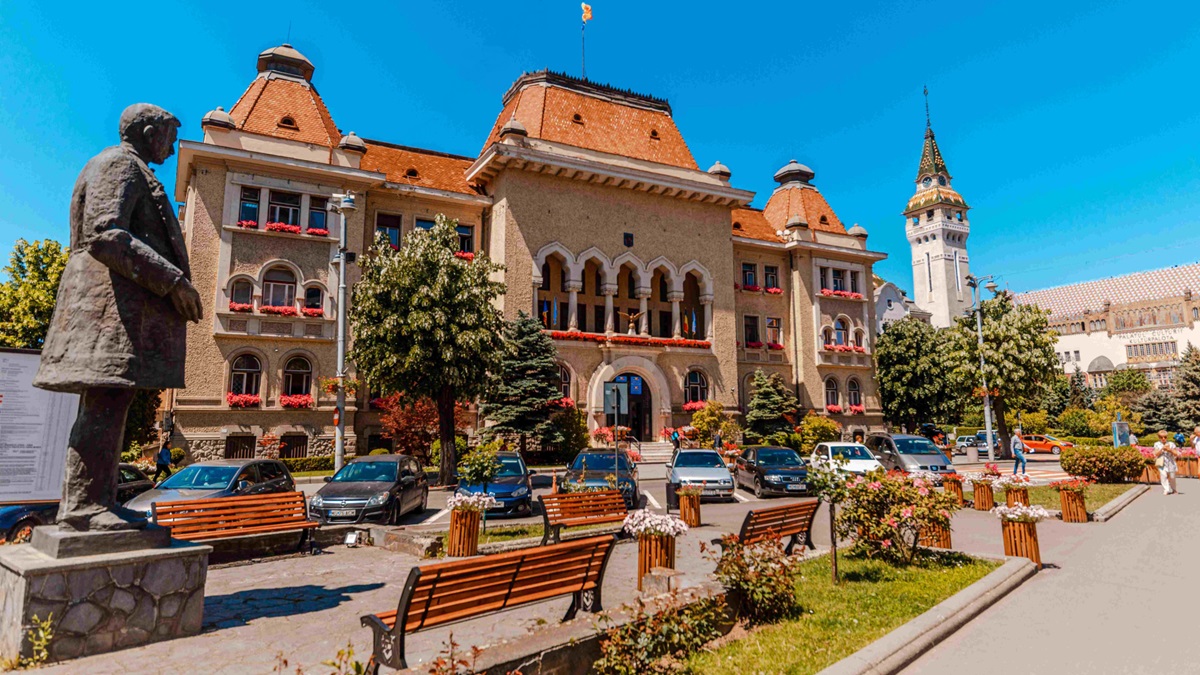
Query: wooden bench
(443, 593)
(206, 519)
(789, 520)
(579, 508)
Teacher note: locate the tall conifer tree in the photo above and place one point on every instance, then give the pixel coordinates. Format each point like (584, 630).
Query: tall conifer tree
(520, 404)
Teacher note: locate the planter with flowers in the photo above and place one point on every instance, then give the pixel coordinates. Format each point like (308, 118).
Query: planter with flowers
(857, 410)
(694, 406)
(981, 483)
(689, 504)
(831, 347)
(859, 349)
(833, 409)
(602, 435)
(1018, 525)
(952, 485)
(248, 224)
(1189, 464)
(279, 310)
(1015, 487)
(240, 306)
(283, 227)
(313, 312)
(656, 539)
(465, 514)
(847, 295)
(1149, 468)
(243, 400)
(774, 290)
(752, 288)
(329, 385)
(774, 346)
(755, 344)
(1071, 493)
(296, 401)
(317, 232)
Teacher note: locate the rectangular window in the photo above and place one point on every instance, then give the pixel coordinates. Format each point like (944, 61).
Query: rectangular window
(598, 319)
(771, 276)
(388, 224)
(750, 329)
(248, 210)
(424, 224)
(824, 272)
(664, 324)
(563, 308)
(278, 294)
(284, 208)
(749, 274)
(662, 288)
(581, 316)
(466, 238)
(1076, 356)
(854, 282)
(774, 330)
(839, 280)
(316, 216)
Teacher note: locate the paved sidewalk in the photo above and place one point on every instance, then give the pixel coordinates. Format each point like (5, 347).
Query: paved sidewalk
(1119, 597)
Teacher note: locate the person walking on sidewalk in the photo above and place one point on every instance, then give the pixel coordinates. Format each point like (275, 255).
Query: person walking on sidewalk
(1165, 453)
(162, 462)
(1018, 447)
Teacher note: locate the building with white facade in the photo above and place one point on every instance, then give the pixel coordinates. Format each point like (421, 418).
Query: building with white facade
(893, 304)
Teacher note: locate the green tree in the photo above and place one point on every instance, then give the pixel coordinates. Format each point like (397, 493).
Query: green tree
(1074, 421)
(1128, 385)
(1079, 394)
(1160, 411)
(1058, 396)
(711, 418)
(915, 383)
(1187, 387)
(27, 297)
(143, 413)
(772, 408)
(1018, 350)
(520, 404)
(425, 323)
(816, 429)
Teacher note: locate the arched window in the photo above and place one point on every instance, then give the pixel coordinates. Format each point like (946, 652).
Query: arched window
(245, 376)
(695, 387)
(841, 333)
(858, 338)
(279, 288)
(313, 297)
(297, 377)
(243, 292)
(564, 379)
(827, 335)
(853, 392)
(831, 392)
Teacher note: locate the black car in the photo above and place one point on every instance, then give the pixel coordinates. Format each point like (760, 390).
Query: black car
(375, 488)
(131, 483)
(592, 468)
(771, 470)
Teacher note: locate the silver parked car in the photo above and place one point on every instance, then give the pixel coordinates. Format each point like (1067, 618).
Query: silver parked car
(705, 468)
(903, 452)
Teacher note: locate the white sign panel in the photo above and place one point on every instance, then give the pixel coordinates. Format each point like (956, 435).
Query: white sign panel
(34, 427)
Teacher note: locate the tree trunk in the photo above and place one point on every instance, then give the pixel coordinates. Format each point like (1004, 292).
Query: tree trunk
(833, 543)
(999, 408)
(449, 460)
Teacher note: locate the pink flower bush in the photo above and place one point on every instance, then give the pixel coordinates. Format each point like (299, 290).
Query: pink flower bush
(887, 512)
(693, 406)
(242, 400)
(774, 290)
(318, 232)
(281, 310)
(296, 401)
(564, 402)
(313, 312)
(283, 227)
(240, 306)
(248, 224)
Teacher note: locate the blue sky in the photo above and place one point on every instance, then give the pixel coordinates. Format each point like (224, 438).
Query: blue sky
(1072, 129)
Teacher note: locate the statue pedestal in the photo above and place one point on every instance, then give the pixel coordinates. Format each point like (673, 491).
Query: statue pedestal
(101, 602)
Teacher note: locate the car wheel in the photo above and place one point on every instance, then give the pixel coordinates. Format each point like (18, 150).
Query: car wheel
(758, 488)
(22, 532)
(1055, 450)
(424, 502)
(394, 513)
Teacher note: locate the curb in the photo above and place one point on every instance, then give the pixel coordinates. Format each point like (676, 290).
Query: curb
(1111, 509)
(892, 652)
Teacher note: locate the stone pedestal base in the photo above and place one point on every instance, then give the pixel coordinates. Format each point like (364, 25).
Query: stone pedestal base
(104, 602)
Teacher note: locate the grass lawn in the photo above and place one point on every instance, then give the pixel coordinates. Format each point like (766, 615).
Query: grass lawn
(873, 599)
(1043, 495)
(498, 533)
(302, 474)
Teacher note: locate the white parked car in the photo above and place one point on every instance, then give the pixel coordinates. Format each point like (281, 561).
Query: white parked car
(858, 459)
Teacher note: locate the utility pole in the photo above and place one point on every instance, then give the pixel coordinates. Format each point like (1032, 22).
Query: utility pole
(343, 205)
(974, 282)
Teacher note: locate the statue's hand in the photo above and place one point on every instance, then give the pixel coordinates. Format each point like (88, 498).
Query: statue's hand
(186, 300)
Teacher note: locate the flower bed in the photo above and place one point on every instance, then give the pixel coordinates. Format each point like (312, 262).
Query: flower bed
(280, 310)
(296, 401)
(248, 224)
(317, 232)
(240, 307)
(848, 295)
(773, 290)
(283, 227)
(646, 522)
(628, 340)
(243, 400)
(313, 312)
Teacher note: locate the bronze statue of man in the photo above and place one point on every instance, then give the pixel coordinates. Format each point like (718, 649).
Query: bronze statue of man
(120, 322)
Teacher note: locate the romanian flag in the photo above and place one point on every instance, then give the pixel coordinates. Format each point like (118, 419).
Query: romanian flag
(587, 11)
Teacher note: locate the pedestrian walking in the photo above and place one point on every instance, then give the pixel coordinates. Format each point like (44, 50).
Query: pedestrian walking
(717, 440)
(162, 462)
(1195, 442)
(1165, 453)
(1018, 447)
(675, 438)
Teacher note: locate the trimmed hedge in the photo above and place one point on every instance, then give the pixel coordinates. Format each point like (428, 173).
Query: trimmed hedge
(318, 463)
(1103, 465)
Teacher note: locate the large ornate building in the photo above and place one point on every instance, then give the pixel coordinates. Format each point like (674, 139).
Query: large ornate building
(642, 266)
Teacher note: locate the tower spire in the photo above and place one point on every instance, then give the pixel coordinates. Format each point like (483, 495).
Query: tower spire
(927, 125)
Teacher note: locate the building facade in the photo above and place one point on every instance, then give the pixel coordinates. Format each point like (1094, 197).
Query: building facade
(892, 304)
(642, 266)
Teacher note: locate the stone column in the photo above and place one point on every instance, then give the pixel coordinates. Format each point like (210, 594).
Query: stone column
(706, 303)
(643, 295)
(609, 291)
(573, 288)
(537, 285)
(675, 297)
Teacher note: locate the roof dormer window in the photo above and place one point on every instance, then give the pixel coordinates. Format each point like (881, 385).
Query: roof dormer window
(411, 173)
(654, 134)
(288, 122)
(577, 118)
(824, 220)
(737, 225)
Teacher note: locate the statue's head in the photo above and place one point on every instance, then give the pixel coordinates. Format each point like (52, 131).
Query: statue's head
(150, 130)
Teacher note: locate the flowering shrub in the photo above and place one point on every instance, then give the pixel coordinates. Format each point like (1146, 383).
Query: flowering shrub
(283, 227)
(773, 290)
(1102, 465)
(603, 435)
(634, 340)
(759, 577)
(648, 522)
(1072, 484)
(313, 312)
(464, 255)
(690, 490)
(248, 224)
(754, 345)
(1147, 454)
(472, 502)
(296, 400)
(318, 232)
(1021, 514)
(564, 402)
(242, 400)
(1016, 481)
(753, 288)
(833, 409)
(991, 469)
(830, 293)
(980, 478)
(329, 385)
(281, 310)
(693, 406)
(240, 306)
(858, 410)
(634, 456)
(774, 345)
(651, 643)
(886, 513)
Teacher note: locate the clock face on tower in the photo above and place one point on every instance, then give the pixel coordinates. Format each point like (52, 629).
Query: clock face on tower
(941, 180)
(926, 182)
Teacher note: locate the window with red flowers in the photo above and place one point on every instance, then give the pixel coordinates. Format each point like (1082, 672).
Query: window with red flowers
(297, 377)
(245, 375)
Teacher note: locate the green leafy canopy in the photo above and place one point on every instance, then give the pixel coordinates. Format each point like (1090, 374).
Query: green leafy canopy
(27, 297)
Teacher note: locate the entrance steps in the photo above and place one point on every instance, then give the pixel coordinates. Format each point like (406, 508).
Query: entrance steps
(658, 452)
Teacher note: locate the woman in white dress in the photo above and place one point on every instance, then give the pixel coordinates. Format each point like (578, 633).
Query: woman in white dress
(1166, 452)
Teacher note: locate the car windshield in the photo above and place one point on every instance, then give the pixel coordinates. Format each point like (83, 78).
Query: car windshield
(850, 452)
(699, 460)
(598, 462)
(915, 446)
(196, 477)
(510, 466)
(362, 472)
(1050, 438)
(778, 457)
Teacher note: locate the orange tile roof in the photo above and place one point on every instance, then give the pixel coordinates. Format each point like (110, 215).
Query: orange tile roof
(610, 120)
(753, 224)
(435, 170)
(270, 99)
(806, 202)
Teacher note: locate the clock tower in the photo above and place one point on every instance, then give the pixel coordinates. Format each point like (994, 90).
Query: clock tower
(937, 228)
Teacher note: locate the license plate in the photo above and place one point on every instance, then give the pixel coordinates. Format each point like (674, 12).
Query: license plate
(709, 493)
(796, 487)
(935, 468)
(341, 513)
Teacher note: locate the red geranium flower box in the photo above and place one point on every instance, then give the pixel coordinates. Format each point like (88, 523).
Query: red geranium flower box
(318, 232)
(464, 255)
(849, 295)
(242, 400)
(833, 409)
(296, 400)
(283, 227)
(248, 224)
(774, 345)
(240, 306)
(282, 310)
(773, 290)
(754, 345)
(635, 340)
(860, 349)
(693, 406)
(313, 312)
(857, 410)
(753, 288)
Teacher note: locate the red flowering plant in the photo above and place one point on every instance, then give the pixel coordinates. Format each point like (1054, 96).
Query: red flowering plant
(774, 346)
(243, 400)
(886, 513)
(317, 231)
(296, 400)
(281, 310)
(752, 288)
(248, 224)
(564, 402)
(329, 385)
(693, 406)
(849, 295)
(603, 435)
(860, 349)
(240, 306)
(990, 469)
(313, 312)
(833, 409)
(283, 227)
(1188, 453)
(774, 290)
(1072, 484)
(857, 410)
(838, 348)
(1148, 457)
(754, 344)
(464, 255)
(636, 340)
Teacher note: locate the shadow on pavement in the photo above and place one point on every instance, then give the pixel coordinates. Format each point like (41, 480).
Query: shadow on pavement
(238, 609)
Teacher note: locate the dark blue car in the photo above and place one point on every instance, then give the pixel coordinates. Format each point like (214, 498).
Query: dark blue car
(18, 520)
(511, 487)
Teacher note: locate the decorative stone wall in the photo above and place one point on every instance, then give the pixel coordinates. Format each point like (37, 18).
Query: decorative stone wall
(323, 446)
(103, 602)
(204, 449)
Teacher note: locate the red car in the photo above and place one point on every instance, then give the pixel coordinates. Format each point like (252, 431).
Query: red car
(1039, 443)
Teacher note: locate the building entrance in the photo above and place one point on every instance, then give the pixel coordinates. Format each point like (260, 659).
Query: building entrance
(639, 418)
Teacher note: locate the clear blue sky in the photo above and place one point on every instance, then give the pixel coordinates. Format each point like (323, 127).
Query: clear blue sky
(1072, 129)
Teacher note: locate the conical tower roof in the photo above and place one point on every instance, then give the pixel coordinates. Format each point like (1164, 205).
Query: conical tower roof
(932, 163)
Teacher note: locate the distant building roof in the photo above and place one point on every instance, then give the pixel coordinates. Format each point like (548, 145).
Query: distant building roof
(1130, 288)
(751, 223)
(286, 108)
(414, 166)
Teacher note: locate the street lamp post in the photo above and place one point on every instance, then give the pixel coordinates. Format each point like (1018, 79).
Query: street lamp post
(343, 205)
(974, 282)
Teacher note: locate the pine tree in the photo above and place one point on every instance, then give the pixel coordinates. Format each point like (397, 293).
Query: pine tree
(1080, 395)
(1187, 387)
(1160, 411)
(529, 381)
(772, 408)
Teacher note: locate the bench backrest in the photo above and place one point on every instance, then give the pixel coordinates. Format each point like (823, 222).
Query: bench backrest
(230, 514)
(778, 521)
(453, 591)
(573, 505)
